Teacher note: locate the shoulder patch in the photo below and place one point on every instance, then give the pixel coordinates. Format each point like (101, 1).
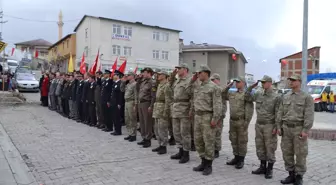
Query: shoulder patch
(153, 89)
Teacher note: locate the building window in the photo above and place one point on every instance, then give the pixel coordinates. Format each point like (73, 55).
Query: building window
(156, 54)
(164, 55)
(86, 33)
(194, 63)
(156, 35)
(116, 50)
(63, 44)
(128, 31)
(127, 51)
(116, 29)
(67, 43)
(164, 36)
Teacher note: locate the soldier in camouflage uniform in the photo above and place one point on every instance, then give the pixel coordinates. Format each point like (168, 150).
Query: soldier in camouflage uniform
(130, 109)
(207, 104)
(180, 112)
(218, 140)
(241, 112)
(171, 140)
(295, 119)
(267, 104)
(161, 112)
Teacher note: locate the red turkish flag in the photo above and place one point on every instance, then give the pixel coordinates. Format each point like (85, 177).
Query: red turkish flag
(13, 50)
(93, 69)
(36, 54)
(136, 70)
(82, 67)
(114, 67)
(123, 67)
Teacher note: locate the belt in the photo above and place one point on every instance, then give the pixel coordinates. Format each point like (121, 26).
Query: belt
(237, 118)
(129, 100)
(294, 124)
(264, 122)
(182, 100)
(160, 101)
(201, 113)
(144, 101)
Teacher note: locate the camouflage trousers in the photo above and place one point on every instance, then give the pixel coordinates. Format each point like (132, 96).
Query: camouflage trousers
(161, 131)
(266, 142)
(192, 130)
(182, 133)
(218, 136)
(130, 119)
(294, 146)
(204, 136)
(238, 135)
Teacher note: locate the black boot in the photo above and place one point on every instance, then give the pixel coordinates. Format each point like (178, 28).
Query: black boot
(208, 167)
(172, 141)
(185, 157)
(261, 169)
(200, 167)
(216, 154)
(162, 150)
(193, 148)
(132, 138)
(141, 142)
(147, 144)
(240, 163)
(156, 149)
(233, 161)
(269, 171)
(290, 179)
(127, 138)
(178, 155)
(298, 180)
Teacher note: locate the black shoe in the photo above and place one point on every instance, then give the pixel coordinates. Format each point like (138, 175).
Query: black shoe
(269, 171)
(233, 161)
(185, 157)
(127, 138)
(172, 141)
(240, 163)
(162, 150)
(132, 138)
(147, 144)
(216, 154)
(116, 134)
(200, 167)
(193, 148)
(178, 155)
(156, 149)
(154, 136)
(261, 169)
(290, 179)
(298, 180)
(141, 142)
(207, 167)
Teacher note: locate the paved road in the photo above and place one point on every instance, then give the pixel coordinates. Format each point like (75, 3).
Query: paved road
(60, 151)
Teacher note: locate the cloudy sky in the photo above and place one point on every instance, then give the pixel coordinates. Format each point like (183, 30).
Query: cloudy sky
(263, 30)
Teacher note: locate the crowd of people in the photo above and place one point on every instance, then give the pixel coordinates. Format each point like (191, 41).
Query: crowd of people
(188, 110)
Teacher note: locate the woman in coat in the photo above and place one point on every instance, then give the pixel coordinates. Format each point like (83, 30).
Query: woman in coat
(44, 90)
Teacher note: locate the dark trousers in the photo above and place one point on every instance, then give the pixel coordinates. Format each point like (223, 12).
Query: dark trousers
(122, 114)
(86, 112)
(65, 104)
(116, 118)
(44, 100)
(324, 106)
(107, 116)
(92, 114)
(80, 110)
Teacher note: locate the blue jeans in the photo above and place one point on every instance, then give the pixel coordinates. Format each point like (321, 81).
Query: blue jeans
(332, 107)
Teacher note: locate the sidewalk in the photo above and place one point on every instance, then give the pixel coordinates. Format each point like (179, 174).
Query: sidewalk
(13, 169)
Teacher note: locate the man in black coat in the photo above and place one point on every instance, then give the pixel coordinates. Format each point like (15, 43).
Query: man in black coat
(72, 97)
(85, 104)
(79, 92)
(92, 118)
(106, 94)
(116, 103)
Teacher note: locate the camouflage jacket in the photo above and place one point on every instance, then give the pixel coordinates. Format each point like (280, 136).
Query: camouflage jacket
(163, 101)
(296, 108)
(207, 98)
(182, 93)
(129, 90)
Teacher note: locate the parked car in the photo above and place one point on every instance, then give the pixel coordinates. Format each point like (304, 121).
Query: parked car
(12, 64)
(26, 82)
(22, 69)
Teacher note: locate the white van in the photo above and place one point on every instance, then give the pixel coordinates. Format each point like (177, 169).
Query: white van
(12, 64)
(316, 88)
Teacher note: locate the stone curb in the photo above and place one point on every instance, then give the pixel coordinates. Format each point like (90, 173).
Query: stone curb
(322, 134)
(18, 167)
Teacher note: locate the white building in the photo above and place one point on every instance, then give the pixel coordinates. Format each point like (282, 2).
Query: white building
(142, 45)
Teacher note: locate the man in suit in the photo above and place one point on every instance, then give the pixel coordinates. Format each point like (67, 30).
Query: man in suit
(86, 87)
(116, 102)
(98, 99)
(92, 118)
(79, 92)
(106, 94)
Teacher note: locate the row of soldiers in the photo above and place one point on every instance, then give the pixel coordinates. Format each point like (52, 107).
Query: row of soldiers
(192, 109)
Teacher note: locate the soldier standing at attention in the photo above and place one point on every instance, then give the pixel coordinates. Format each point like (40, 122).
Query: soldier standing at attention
(92, 118)
(97, 95)
(208, 110)
(72, 96)
(295, 119)
(106, 94)
(218, 139)
(86, 87)
(146, 99)
(171, 140)
(182, 92)
(79, 92)
(130, 109)
(115, 103)
(267, 104)
(241, 112)
(161, 112)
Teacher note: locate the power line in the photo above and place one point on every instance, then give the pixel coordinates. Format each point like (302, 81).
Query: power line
(35, 20)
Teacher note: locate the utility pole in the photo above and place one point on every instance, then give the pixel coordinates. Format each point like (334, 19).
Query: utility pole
(304, 46)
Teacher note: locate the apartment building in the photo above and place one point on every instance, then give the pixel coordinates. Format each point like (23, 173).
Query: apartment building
(140, 44)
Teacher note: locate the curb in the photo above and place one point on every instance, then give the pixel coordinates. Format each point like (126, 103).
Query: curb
(322, 134)
(17, 165)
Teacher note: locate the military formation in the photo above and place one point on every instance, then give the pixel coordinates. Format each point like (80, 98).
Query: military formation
(188, 110)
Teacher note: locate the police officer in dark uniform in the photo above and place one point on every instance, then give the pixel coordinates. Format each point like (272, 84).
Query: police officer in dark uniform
(74, 108)
(92, 119)
(79, 93)
(98, 89)
(85, 107)
(116, 103)
(106, 95)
